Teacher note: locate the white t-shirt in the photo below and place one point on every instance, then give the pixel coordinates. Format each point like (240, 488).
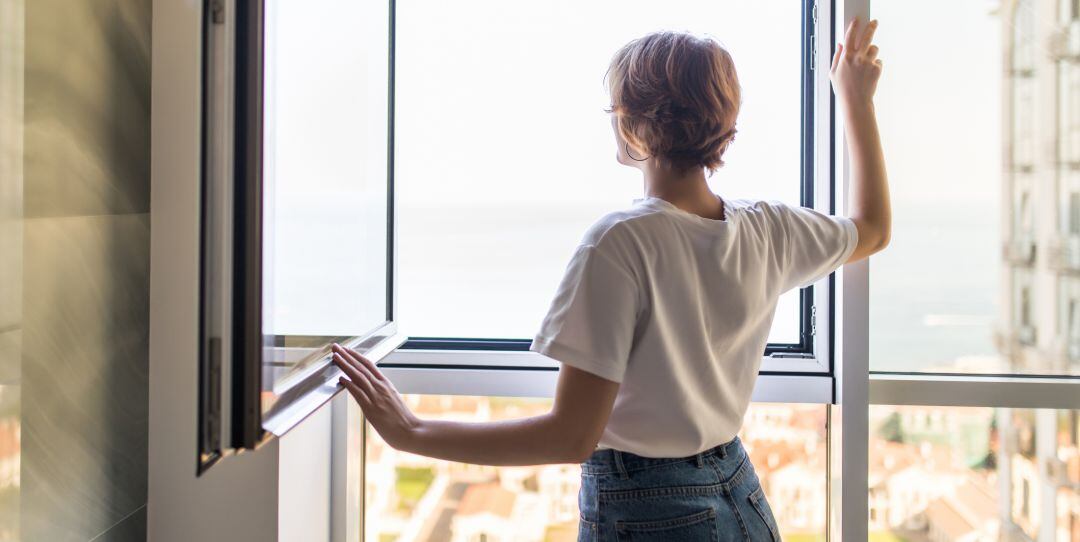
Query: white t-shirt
(678, 308)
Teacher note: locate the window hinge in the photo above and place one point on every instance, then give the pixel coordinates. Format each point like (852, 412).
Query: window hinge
(217, 11)
(813, 37)
(813, 321)
(791, 355)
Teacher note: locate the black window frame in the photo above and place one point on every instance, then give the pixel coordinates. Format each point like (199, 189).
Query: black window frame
(242, 392)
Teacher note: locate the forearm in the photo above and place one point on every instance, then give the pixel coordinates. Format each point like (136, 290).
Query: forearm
(869, 204)
(527, 441)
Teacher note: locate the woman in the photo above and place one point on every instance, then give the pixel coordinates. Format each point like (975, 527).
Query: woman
(666, 307)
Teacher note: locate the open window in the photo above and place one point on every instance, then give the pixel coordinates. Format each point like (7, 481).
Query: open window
(297, 211)
(374, 163)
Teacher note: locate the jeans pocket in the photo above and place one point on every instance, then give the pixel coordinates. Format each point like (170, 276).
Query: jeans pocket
(761, 506)
(697, 526)
(588, 531)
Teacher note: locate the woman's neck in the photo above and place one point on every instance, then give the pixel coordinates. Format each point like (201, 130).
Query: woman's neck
(686, 190)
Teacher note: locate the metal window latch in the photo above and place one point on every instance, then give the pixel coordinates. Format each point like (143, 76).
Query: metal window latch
(813, 320)
(217, 11)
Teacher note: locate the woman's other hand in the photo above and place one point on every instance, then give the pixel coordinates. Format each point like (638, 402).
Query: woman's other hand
(382, 404)
(856, 67)
(855, 73)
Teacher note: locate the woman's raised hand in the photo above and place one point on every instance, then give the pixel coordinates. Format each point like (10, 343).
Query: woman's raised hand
(856, 67)
(380, 401)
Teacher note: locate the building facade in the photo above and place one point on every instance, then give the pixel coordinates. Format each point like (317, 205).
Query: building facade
(1039, 472)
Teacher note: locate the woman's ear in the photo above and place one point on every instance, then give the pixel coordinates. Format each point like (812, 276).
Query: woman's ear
(620, 144)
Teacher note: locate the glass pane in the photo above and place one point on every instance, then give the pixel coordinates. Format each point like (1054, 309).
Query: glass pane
(979, 276)
(325, 174)
(504, 154)
(947, 473)
(410, 497)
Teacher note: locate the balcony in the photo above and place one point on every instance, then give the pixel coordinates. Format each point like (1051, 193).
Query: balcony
(1016, 343)
(1063, 253)
(1064, 472)
(1064, 43)
(1026, 335)
(1064, 354)
(1020, 250)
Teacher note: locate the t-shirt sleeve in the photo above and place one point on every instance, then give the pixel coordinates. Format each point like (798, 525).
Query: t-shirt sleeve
(816, 244)
(590, 324)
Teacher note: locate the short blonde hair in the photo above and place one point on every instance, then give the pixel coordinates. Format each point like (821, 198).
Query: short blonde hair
(676, 98)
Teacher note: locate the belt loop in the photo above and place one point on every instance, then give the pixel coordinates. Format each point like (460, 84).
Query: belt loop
(619, 464)
(723, 451)
(700, 459)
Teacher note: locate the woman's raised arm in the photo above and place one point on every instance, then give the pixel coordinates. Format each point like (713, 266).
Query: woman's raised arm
(855, 71)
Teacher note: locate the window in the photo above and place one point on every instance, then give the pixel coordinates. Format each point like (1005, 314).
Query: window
(960, 284)
(973, 379)
(1074, 213)
(313, 158)
(963, 302)
(1068, 324)
(949, 482)
(1066, 250)
(324, 181)
(411, 497)
(499, 172)
(1068, 120)
(296, 210)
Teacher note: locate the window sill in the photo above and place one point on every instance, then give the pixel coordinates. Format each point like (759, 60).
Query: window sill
(526, 374)
(502, 359)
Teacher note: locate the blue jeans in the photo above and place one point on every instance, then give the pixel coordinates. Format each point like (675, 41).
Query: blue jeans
(714, 495)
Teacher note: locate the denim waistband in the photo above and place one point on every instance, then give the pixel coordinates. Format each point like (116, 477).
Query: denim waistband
(609, 460)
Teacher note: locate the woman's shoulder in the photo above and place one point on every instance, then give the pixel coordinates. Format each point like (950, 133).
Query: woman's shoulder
(618, 226)
(761, 219)
(766, 207)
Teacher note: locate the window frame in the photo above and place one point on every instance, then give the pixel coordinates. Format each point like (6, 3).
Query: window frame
(810, 356)
(847, 386)
(843, 380)
(234, 354)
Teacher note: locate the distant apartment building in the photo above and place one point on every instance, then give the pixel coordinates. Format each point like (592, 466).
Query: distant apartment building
(1039, 471)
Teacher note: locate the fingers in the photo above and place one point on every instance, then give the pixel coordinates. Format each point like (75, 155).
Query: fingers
(359, 394)
(360, 361)
(355, 371)
(346, 365)
(836, 56)
(851, 35)
(367, 364)
(356, 377)
(872, 52)
(867, 35)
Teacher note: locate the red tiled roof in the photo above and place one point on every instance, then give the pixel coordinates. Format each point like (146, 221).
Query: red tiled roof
(944, 518)
(489, 497)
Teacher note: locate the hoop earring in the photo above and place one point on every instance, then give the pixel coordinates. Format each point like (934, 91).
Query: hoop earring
(626, 149)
